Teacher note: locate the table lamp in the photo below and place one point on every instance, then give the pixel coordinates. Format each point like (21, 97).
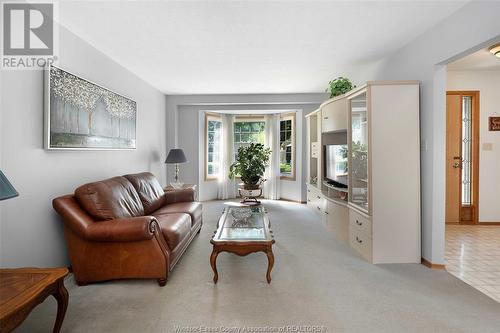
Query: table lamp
(176, 156)
(7, 191)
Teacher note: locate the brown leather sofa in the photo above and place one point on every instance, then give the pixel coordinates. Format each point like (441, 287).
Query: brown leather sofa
(127, 227)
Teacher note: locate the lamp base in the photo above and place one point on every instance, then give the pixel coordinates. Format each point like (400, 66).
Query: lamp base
(177, 185)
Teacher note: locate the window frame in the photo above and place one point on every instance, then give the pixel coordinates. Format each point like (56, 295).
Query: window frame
(247, 119)
(292, 117)
(209, 117)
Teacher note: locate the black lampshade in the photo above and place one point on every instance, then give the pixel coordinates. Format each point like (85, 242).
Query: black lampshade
(7, 191)
(176, 155)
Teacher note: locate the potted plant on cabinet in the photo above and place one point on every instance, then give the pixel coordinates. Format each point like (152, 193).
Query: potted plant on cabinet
(339, 86)
(250, 164)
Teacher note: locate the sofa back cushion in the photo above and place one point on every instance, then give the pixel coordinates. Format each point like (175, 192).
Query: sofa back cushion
(149, 189)
(110, 199)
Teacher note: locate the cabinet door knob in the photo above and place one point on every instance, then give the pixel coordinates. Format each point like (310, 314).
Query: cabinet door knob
(318, 197)
(325, 117)
(318, 207)
(326, 213)
(358, 223)
(358, 240)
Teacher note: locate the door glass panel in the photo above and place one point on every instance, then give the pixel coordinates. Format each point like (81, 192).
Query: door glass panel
(466, 149)
(359, 153)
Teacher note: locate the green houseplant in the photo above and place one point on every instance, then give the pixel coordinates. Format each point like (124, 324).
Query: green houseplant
(339, 86)
(359, 161)
(250, 164)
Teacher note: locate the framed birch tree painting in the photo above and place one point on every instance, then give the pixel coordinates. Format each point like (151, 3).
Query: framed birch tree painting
(80, 114)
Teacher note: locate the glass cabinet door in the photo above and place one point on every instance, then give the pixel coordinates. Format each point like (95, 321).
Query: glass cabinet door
(358, 174)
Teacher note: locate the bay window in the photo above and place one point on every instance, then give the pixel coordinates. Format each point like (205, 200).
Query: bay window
(246, 130)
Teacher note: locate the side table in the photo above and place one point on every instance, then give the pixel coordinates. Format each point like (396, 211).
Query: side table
(193, 187)
(21, 289)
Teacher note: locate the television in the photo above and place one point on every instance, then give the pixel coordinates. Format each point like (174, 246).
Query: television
(336, 165)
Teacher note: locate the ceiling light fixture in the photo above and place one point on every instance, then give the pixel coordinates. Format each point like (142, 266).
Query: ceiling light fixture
(495, 49)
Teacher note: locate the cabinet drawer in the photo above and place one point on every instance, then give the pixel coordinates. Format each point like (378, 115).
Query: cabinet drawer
(320, 204)
(364, 224)
(361, 243)
(314, 149)
(310, 197)
(315, 199)
(337, 220)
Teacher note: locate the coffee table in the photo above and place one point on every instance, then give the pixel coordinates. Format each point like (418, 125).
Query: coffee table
(243, 237)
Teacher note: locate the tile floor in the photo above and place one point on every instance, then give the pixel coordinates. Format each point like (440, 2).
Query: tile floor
(473, 255)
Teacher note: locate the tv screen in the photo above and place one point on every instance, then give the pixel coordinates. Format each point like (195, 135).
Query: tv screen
(336, 164)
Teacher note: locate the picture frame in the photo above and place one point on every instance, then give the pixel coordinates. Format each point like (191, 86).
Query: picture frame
(82, 115)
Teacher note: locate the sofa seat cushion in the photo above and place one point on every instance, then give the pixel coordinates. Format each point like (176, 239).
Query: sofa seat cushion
(194, 209)
(175, 228)
(109, 199)
(149, 190)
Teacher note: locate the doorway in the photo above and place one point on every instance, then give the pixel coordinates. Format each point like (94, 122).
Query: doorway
(472, 231)
(462, 157)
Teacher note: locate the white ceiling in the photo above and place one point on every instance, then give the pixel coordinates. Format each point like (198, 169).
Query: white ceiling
(482, 60)
(250, 46)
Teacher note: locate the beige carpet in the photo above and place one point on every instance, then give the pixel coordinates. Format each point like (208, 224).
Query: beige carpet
(317, 282)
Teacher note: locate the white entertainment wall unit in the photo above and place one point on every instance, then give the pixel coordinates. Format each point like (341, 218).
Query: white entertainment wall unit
(378, 215)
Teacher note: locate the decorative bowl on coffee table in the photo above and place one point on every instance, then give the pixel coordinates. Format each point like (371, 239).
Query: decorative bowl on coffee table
(241, 213)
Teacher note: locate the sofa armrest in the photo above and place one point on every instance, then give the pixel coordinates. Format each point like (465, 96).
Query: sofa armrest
(122, 230)
(184, 195)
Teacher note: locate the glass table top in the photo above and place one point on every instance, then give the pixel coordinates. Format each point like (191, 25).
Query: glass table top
(253, 228)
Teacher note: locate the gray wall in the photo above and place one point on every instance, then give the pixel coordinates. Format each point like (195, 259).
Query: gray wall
(425, 59)
(186, 130)
(30, 231)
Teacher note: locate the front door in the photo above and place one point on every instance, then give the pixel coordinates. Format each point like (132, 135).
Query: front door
(462, 156)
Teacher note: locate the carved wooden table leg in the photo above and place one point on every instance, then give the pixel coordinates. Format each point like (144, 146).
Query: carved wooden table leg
(270, 260)
(61, 295)
(213, 263)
